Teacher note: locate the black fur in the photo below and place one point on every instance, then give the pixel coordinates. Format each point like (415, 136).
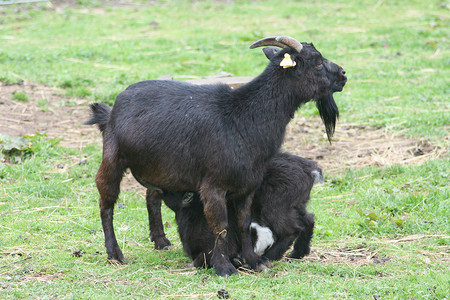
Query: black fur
(100, 115)
(279, 204)
(176, 136)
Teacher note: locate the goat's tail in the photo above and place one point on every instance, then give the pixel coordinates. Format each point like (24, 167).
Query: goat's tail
(317, 175)
(100, 115)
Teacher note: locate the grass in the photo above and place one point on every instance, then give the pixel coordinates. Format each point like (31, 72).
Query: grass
(20, 96)
(53, 212)
(392, 59)
(396, 57)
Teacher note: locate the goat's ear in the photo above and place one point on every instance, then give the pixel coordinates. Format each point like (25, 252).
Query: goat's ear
(288, 61)
(270, 52)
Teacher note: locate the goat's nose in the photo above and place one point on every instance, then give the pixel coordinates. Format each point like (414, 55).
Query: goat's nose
(343, 74)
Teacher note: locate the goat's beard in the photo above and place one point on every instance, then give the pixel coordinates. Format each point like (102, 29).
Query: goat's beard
(329, 113)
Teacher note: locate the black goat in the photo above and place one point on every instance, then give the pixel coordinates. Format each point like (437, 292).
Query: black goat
(176, 136)
(279, 215)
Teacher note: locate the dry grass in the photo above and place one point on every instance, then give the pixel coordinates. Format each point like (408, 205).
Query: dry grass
(356, 145)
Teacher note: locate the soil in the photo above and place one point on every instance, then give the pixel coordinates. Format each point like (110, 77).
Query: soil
(353, 145)
(61, 117)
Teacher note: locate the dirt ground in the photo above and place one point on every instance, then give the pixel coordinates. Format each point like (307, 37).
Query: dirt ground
(354, 145)
(61, 117)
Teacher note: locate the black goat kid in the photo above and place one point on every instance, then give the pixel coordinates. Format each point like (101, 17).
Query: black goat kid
(176, 136)
(279, 215)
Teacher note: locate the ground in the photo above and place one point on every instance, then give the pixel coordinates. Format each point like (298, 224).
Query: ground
(353, 145)
(48, 111)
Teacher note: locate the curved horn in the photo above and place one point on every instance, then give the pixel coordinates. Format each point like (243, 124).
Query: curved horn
(280, 41)
(290, 42)
(268, 41)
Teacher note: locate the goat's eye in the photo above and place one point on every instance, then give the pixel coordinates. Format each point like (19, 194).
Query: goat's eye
(319, 66)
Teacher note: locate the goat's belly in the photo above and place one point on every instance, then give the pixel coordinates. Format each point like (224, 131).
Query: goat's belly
(177, 169)
(154, 181)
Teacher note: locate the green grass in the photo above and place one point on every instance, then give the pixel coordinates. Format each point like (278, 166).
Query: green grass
(396, 54)
(53, 212)
(20, 96)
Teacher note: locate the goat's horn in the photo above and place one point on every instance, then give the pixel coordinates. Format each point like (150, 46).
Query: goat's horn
(268, 41)
(290, 42)
(280, 41)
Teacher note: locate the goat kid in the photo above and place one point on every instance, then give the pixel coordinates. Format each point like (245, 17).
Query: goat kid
(176, 136)
(279, 215)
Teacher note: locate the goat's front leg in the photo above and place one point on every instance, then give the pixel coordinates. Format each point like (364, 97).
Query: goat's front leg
(243, 211)
(302, 244)
(157, 234)
(108, 180)
(215, 209)
(203, 260)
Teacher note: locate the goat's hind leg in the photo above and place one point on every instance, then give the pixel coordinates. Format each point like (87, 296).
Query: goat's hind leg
(108, 180)
(303, 241)
(157, 234)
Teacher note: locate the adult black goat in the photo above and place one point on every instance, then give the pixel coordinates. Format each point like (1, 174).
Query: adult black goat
(279, 215)
(176, 136)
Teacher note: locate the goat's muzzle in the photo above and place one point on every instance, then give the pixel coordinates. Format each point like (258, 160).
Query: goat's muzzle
(339, 84)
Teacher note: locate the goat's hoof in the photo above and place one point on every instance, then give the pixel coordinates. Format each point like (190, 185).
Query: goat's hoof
(162, 244)
(261, 268)
(117, 262)
(116, 258)
(268, 263)
(226, 270)
(237, 262)
(297, 255)
(263, 265)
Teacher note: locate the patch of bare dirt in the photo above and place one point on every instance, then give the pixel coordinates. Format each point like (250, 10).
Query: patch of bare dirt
(61, 117)
(354, 145)
(41, 276)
